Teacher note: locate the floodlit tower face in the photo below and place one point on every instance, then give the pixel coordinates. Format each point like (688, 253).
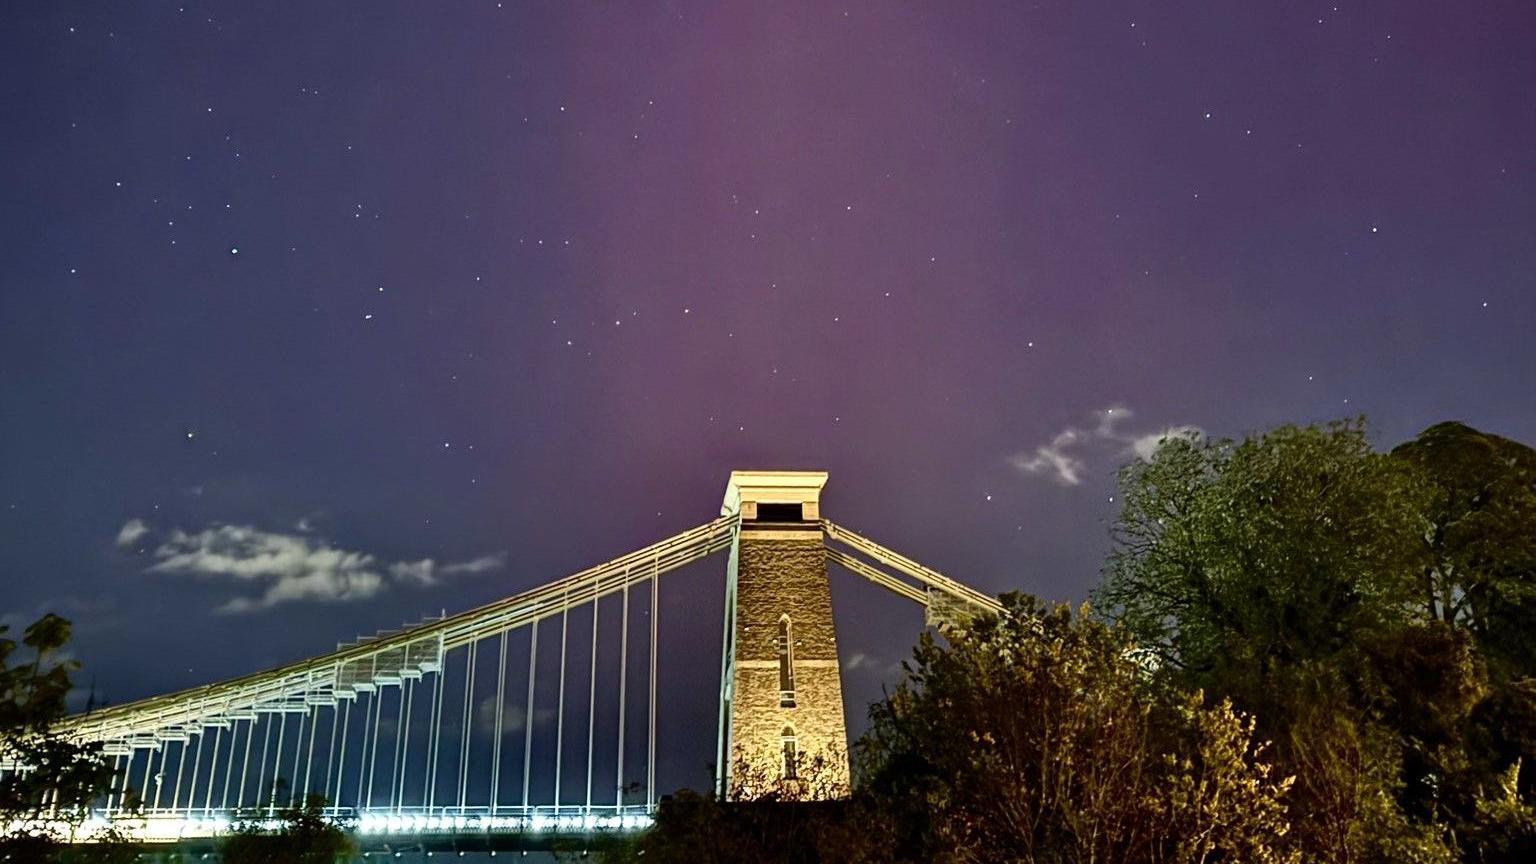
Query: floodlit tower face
(782, 704)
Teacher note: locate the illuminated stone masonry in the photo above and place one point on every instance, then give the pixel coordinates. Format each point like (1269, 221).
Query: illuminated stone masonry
(786, 711)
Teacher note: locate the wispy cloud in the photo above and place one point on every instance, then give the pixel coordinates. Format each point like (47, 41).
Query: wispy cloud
(132, 532)
(1065, 458)
(1147, 445)
(285, 568)
(429, 572)
(1056, 459)
(475, 565)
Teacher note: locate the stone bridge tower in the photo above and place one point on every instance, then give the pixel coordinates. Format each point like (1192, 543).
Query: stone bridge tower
(781, 699)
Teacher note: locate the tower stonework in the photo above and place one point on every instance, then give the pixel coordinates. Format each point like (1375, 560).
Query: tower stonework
(782, 701)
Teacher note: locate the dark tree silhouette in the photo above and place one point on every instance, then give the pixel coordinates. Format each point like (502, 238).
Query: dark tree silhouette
(42, 806)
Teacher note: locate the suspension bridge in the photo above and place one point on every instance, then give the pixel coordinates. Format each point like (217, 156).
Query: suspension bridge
(411, 736)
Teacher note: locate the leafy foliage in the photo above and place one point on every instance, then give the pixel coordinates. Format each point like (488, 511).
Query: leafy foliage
(1235, 559)
(1034, 737)
(304, 835)
(1038, 736)
(1374, 612)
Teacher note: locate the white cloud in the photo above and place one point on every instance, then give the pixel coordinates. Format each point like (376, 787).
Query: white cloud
(418, 572)
(1055, 459)
(1111, 417)
(1065, 459)
(1146, 445)
(289, 567)
(475, 565)
(427, 572)
(132, 531)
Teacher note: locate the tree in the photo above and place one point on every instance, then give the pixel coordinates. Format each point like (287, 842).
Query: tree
(1234, 560)
(1480, 567)
(1039, 736)
(1480, 581)
(50, 780)
(304, 834)
(1372, 610)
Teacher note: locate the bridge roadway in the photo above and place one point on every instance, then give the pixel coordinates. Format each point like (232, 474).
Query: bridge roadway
(411, 829)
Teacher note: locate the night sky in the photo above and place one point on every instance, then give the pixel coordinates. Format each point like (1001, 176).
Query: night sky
(319, 317)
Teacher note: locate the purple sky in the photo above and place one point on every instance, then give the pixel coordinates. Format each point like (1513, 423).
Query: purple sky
(332, 289)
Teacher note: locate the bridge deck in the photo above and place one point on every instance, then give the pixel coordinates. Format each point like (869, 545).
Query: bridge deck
(469, 828)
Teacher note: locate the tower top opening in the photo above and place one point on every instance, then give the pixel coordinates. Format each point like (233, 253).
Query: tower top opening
(791, 496)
